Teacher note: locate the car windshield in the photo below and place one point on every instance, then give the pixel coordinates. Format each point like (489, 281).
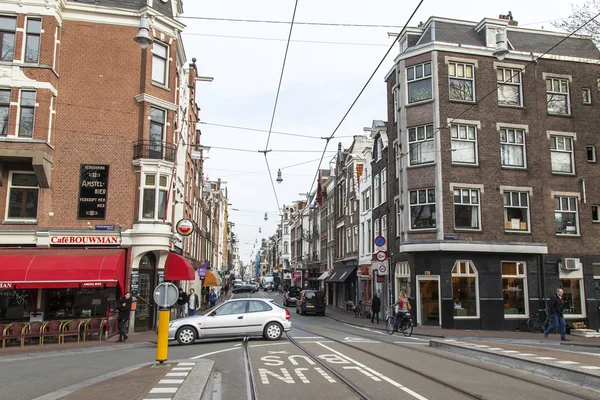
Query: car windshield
(313, 295)
(294, 291)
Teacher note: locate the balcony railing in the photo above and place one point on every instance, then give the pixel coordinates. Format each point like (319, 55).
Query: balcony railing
(154, 150)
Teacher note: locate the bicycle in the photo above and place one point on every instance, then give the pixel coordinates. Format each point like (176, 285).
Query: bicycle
(359, 311)
(405, 325)
(537, 324)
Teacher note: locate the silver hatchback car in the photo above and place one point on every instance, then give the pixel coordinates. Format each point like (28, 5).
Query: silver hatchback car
(240, 317)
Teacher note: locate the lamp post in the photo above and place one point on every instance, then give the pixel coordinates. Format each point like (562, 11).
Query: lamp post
(143, 38)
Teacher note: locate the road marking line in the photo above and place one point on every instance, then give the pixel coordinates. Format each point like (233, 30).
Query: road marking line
(181, 369)
(527, 355)
(589, 367)
(495, 348)
(307, 337)
(239, 344)
(567, 362)
(214, 352)
(325, 375)
(164, 390)
(426, 344)
(510, 351)
(481, 346)
(320, 341)
(172, 374)
(170, 381)
(365, 329)
(269, 344)
(385, 378)
(157, 398)
(545, 358)
(449, 340)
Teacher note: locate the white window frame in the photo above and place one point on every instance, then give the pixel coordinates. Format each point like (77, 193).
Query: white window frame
(8, 192)
(506, 76)
(454, 75)
(383, 186)
(376, 191)
(561, 209)
(555, 142)
(522, 276)
(370, 237)
(457, 128)
(26, 37)
(379, 148)
(7, 107)
(157, 187)
(396, 101)
(286, 247)
(507, 142)
(475, 275)
(554, 88)
(428, 136)
(586, 95)
(383, 225)
(166, 60)
(19, 113)
(596, 210)
(478, 205)
(575, 276)
(366, 194)
(593, 153)
(348, 240)
(419, 204)
(376, 232)
(355, 238)
(511, 205)
(424, 77)
(363, 249)
(398, 216)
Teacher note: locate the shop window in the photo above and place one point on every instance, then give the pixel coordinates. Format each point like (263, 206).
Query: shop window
(32, 40)
(419, 83)
(572, 297)
(154, 196)
(565, 215)
(26, 113)
(509, 87)
(466, 209)
(4, 111)
(160, 63)
(465, 289)
(8, 27)
(23, 194)
(512, 147)
(15, 305)
(461, 81)
(422, 208)
(557, 94)
(561, 154)
(516, 211)
(78, 303)
(464, 144)
(422, 145)
(514, 289)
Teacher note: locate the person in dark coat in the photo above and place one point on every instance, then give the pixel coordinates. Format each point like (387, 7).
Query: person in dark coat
(212, 298)
(556, 315)
(375, 307)
(181, 303)
(124, 308)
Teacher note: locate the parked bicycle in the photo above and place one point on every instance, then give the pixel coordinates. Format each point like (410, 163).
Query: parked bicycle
(359, 310)
(405, 325)
(540, 322)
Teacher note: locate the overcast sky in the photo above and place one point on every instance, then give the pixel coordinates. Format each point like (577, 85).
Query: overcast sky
(320, 81)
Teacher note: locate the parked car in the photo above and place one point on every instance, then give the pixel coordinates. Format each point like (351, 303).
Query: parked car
(256, 287)
(234, 318)
(311, 301)
(244, 289)
(290, 298)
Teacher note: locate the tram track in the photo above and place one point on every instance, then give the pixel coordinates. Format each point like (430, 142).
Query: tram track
(250, 378)
(446, 384)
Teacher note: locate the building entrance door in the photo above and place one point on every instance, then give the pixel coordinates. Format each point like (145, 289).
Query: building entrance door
(144, 313)
(428, 301)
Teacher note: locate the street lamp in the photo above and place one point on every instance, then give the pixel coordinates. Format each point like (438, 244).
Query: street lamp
(279, 178)
(143, 38)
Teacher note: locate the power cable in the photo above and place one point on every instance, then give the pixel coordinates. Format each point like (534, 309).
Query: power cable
(265, 130)
(265, 21)
(283, 40)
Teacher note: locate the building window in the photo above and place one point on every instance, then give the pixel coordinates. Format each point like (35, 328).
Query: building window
(349, 240)
(419, 83)
(512, 147)
(376, 192)
(514, 289)
(154, 196)
(565, 215)
(32, 41)
(465, 289)
(376, 230)
(561, 154)
(157, 131)
(355, 238)
(398, 216)
(366, 200)
(509, 87)
(286, 230)
(395, 105)
(557, 94)
(286, 248)
(383, 185)
(160, 56)
(384, 225)
(572, 296)
(464, 144)
(422, 146)
(8, 26)
(370, 237)
(466, 209)
(596, 213)
(516, 211)
(422, 209)
(379, 148)
(586, 95)
(591, 154)
(462, 81)
(23, 193)
(26, 112)
(4, 111)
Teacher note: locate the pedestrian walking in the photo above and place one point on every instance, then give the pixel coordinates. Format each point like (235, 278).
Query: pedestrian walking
(124, 310)
(181, 302)
(193, 302)
(556, 316)
(375, 307)
(212, 298)
(226, 289)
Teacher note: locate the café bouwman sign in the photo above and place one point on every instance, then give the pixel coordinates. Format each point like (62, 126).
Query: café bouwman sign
(93, 190)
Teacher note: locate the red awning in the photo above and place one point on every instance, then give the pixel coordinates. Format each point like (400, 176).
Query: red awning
(43, 269)
(177, 268)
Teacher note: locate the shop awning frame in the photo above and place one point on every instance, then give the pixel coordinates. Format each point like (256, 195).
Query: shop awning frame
(211, 279)
(323, 276)
(340, 275)
(178, 268)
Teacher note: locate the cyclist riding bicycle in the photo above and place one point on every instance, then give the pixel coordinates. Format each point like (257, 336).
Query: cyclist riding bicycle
(403, 307)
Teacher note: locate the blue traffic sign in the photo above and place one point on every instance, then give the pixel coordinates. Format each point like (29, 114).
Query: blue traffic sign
(379, 241)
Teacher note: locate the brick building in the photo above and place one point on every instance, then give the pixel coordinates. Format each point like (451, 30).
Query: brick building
(92, 128)
(496, 161)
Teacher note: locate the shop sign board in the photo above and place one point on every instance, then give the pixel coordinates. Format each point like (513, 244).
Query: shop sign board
(84, 240)
(161, 276)
(6, 285)
(92, 284)
(297, 275)
(93, 191)
(135, 282)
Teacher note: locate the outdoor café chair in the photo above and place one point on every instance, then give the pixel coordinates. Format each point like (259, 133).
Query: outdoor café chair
(51, 329)
(3, 330)
(92, 327)
(71, 328)
(33, 331)
(14, 331)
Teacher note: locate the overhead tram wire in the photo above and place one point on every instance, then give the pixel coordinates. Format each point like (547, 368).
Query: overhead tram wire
(265, 130)
(283, 40)
(266, 21)
(534, 61)
(391, 47)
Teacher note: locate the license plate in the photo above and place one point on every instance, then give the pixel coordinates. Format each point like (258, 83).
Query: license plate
(292, 299)
(310, 306)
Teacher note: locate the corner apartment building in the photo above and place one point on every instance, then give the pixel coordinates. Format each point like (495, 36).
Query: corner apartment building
(497, 161)
(91, 126)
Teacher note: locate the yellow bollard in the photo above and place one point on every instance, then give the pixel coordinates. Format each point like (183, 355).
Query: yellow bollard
(162, 344)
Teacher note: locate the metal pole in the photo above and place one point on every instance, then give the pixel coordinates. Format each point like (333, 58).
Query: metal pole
(162, 344)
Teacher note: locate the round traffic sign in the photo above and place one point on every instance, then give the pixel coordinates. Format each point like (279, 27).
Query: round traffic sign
(379, 241)
(166, 294)
(382, 269)
(381, 255)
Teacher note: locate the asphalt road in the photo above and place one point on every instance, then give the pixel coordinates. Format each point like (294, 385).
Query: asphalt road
(284, 371)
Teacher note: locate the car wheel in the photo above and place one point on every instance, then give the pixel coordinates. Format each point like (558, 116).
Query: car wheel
(273, 331)
(186, 335)
(297, 312)
(302, 312)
